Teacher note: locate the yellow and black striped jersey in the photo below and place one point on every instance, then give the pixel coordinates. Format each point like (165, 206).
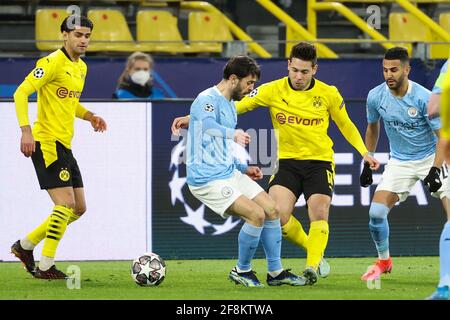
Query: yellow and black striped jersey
(301, 118)
(59, 82)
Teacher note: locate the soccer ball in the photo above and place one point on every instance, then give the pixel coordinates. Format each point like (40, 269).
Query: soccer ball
(148, 270)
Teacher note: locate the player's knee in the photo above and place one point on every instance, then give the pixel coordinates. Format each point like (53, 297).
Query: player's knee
(258, 216)
(378, 212)
(68, 204)
(80, 209)
(272, 211)
(284, 217)
(318, 213)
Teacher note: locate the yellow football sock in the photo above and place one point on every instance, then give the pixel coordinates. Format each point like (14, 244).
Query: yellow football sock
(55, 229)
(38, 234)
(73, 217)
(293, 231)
(318, 239)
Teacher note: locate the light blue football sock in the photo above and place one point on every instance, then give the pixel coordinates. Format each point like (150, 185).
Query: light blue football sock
(444, 256)
(379, 228)
(248, 241)
(271, 241)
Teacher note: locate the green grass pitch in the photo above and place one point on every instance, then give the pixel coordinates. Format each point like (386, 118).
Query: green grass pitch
(411, 278)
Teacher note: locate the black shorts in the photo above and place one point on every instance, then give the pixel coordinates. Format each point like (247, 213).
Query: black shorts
(305, 176)
(64, 172)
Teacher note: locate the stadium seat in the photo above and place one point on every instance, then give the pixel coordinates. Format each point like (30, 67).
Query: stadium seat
(111, 32)
(159, 26)
(406, 27)
(47, 28)
(441, 51)
(207, 26)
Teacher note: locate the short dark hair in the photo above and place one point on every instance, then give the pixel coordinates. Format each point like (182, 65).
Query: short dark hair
(241, 66)
(73, 21)
(304, 51)
(397, 53)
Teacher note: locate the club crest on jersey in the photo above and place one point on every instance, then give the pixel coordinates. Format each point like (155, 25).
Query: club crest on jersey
(38, 73)
(412, 112)
(209, 107)
(317, 101)
(253, 93)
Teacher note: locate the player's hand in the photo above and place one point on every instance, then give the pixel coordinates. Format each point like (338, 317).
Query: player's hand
(254, 173)
(366, 176)
(374, 164)
(241, 137)
(433, 181)
(98, 124)
(179, 123)
(27, 143)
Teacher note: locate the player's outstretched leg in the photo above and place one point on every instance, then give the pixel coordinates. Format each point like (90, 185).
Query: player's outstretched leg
(23, 249)
(271, 241)
(248, 240)
(26, 256)
(318, 238)
(54, 233)
(293, 231)
(442, 291)
(379, 229)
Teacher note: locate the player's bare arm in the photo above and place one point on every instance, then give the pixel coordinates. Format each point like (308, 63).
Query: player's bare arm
(27, 143)
(97, 122)
(433, 107)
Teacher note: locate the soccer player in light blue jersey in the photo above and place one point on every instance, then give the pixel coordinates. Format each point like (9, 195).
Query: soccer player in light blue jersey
(223, 184)
(414, 149)
(442, 291)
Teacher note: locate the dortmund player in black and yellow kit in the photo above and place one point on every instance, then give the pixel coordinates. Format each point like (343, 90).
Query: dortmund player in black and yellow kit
(300, 107)
(59, 80)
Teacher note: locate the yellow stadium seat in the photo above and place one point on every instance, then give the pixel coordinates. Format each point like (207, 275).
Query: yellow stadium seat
(111, 32)
(207, 26)
(47, 29)
(160, 26)
(441, 51)
(406, 27)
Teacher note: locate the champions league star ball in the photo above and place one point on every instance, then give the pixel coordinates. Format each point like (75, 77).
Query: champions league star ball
(148, 270)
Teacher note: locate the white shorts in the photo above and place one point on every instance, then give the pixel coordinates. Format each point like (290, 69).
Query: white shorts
(400, 177)
(219, 195)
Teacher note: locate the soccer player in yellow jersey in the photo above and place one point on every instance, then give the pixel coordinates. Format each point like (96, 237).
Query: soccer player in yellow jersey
(59, 80)
(441, 96)
(300, 107)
